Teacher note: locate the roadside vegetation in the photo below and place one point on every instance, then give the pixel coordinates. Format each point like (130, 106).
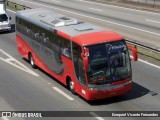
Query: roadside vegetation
(15, 6)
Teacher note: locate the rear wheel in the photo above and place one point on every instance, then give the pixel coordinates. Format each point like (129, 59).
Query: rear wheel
(31, 60)
(71, 86)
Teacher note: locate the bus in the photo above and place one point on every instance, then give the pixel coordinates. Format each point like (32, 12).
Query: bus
(89, 60)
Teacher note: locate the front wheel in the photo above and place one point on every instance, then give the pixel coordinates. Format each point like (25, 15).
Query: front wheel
(31, 60)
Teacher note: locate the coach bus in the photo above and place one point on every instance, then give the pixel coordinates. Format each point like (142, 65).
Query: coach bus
(89, 60)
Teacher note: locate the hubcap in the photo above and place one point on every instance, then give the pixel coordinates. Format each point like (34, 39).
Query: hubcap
(71, 85)
(32, 63)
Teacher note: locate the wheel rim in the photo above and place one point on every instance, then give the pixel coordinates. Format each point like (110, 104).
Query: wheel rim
(71, 85)
(32, 62)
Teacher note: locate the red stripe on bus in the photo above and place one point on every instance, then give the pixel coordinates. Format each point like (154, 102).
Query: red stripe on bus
(62, 34)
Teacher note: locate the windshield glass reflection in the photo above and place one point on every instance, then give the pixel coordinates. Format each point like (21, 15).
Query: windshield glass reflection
(3, 17)
(108, 62)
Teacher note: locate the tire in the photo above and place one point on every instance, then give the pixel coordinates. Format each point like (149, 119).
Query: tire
(31, 60)
(71, 86)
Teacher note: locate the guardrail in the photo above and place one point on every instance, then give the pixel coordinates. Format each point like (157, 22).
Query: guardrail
(143, 46)
(142, 49)
(16, 6)
(146, 50)
(153, 3)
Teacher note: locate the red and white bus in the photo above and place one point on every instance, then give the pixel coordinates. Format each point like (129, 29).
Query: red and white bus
(91, 61)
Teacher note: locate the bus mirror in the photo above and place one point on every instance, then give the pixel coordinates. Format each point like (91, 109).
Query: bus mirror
(134, 52)
(85, 55)
(85, 61)
(86, 51)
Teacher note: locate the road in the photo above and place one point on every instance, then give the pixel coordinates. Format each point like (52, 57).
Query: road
(135, 25)
(25, 89)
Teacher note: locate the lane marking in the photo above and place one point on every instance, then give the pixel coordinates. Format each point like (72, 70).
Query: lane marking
(95, 9)
(55, 1)
(118, 7)
(12, 61)
(153, 65)
(96, 116)
(152, 21)
(62, 93)
(95, 18)
(11, 11)
(5, 118)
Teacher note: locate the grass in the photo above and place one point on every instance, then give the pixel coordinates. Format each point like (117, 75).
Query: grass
(15, 7)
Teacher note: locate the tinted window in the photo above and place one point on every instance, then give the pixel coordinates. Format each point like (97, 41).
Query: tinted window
(3, 17)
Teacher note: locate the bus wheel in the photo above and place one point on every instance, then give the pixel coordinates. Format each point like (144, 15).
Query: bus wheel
(31, 60)
(71, 86)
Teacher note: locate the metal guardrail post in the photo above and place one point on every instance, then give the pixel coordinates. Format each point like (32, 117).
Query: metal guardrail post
(16, 5)
(144, 46)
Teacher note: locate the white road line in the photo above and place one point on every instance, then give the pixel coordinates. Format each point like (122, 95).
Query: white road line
(95, 9)
(96, 116)
(9, 59)
(11, 10)
(55, 1)
(118, 7)
(5, 118)
(152, 21)
(153, 65)
(63, 93)
(12, 61)
(95, 18)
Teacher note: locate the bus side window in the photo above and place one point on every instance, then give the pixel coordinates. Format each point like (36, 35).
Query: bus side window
(37, 36)
(41, 38)
(66, 50)
(47, 42)
(32, 35)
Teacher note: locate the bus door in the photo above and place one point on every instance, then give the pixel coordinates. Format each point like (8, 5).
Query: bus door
(78, 63)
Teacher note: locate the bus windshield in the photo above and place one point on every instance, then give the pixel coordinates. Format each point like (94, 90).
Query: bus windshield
(108, 62)
(3, 17)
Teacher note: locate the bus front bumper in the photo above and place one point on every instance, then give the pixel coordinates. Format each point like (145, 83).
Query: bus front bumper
(96, 95)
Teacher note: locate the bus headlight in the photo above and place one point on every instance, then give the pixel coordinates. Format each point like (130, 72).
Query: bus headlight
(93, 88)
(128, 82)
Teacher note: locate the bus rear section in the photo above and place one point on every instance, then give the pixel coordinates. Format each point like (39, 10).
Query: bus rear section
(89, 60)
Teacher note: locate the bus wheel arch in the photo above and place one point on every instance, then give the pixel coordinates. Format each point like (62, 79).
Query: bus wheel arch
(31, 60)
(70, 84)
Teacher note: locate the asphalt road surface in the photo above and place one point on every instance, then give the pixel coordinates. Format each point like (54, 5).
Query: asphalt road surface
(25, 89)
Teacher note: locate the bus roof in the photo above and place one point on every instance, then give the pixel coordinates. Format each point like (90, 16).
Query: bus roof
(81, 32)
